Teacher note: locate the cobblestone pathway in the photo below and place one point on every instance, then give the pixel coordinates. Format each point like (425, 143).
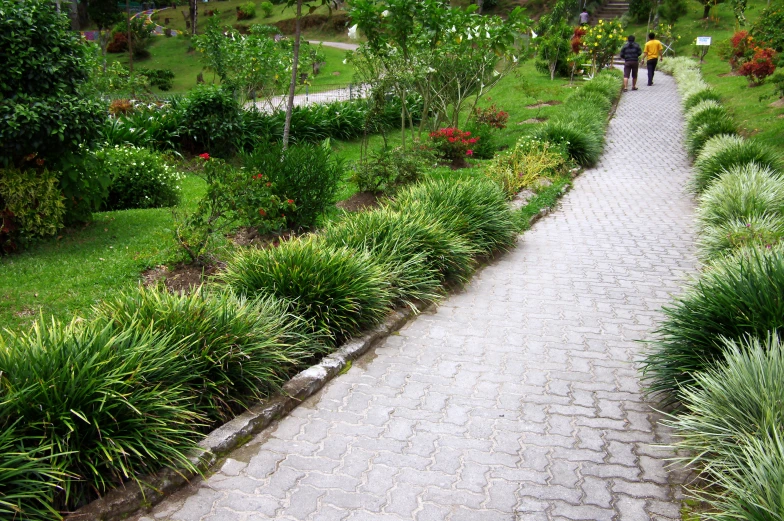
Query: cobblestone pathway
(517, 399)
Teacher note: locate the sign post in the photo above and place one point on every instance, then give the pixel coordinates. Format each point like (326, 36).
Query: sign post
(704, 42)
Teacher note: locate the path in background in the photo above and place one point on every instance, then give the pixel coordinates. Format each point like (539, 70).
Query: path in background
(516, 399)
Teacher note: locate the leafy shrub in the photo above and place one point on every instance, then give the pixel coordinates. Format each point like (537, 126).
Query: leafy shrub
(31, 205)
(742, 192)
(118, 44)
(161, 78)
(28, 477)
(491, 116)
(246, 11)
(527, 162)
(732, 429)
(308, 174)
(211, 119)
(239, 350)
(740, 295)
(387, 169)
(640, 10)
(339, 290)
(140, 178)
(266, 9)
(474, 209)
(700, 96)
(95, 395)
(728, 237)
(724, 152)
(394, 244)
(150, 126)
(42, 107)
(759, 67)
(486, 143)
(742, 46)
(453, 144)
(584, 145)
(778, 84)
(767, 28)
(120, 107)
(715, 125)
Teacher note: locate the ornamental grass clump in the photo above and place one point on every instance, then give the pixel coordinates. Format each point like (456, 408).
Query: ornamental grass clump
(239, 349)
(528, 162)
(732, 429)
(740, 193)
(474, 209)
(713, 125)
(113, 405)
(590, 98)
(738, 296)
(406, 249)
(726, 238)
(702, 113)
(699, 96)
(584, 145)
(723, 152)
(338, 290)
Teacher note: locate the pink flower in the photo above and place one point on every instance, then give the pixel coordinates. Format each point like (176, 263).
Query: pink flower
(469, 152)
(205, 156)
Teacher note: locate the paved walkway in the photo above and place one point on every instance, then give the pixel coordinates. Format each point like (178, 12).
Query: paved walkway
(517, 399)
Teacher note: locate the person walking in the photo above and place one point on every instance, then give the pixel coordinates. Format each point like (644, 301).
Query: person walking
(584, 17)
(630, 54)
(653, 51)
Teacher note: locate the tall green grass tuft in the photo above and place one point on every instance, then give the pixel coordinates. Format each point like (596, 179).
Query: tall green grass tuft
(723, 152)
(239, 350)
(740, 193)
(700, 96)
(414, 253)
(591, 97)
(732, 429)
(113, 405)
(740, 295)
(713, 125)
(474, 209)
(754, 231)
(584, 145)
(340, 291)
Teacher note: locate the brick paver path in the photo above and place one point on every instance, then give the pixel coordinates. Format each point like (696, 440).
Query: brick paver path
(518, 398)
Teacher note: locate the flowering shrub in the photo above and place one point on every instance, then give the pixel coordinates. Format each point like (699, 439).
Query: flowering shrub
(741, 49)
(576, 41)
(768, 26)
(260, 207)
(120, 106)
(140, 178)
(452, 143)
(530, 160)
(602, 42)
(760, 66)
(491, 116)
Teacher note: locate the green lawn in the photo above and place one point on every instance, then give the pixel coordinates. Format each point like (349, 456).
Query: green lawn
(750, 106)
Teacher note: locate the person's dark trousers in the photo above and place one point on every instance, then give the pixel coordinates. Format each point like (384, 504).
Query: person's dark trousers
(651, 69)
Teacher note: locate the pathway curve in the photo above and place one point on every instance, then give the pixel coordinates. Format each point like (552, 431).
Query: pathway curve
(518, 398)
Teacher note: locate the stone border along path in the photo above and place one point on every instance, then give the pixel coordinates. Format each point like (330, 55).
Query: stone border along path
(516, 399)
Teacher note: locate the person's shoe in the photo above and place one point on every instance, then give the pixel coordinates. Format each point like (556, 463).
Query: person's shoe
(650, 84)
(626, 90)
(635, 88)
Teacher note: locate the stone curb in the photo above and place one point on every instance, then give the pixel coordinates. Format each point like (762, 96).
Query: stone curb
(128, 499)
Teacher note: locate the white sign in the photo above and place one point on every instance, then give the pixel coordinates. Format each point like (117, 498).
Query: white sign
(703, 40)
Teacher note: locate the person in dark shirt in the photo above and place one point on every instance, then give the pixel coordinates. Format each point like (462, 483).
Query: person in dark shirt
(630, 54)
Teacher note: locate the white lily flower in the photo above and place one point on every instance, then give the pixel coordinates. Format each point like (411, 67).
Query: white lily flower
(352, 32)
(487, 34)
(514, 59)
(496, 73)
(385, 13)
(345, 61)
(469, 36)
(533, 34)
(454, 29)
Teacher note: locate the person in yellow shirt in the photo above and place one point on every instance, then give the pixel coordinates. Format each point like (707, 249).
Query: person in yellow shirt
(652, 52)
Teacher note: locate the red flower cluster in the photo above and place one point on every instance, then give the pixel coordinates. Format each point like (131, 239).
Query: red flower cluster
(258, 176)
(453, 143)
(492, 116)
(760, 66)
(205, 156)
(290, 201)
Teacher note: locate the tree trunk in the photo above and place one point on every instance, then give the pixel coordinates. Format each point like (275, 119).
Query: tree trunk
(552, 70)
(193, 9)
(103, 41)
(293, 84)
(479, 4)
(706, 11)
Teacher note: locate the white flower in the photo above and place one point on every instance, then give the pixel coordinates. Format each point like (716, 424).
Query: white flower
(352, 32)
(454, 29)
(385, 13)
(345, 61)
(514, 59)
(533, 34)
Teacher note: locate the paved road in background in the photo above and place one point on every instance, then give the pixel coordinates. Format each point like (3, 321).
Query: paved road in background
(517, 398)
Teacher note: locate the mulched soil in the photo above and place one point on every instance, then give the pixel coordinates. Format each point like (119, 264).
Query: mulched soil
(183, 278)
(532, 120)
(359, 201)
(544, 104)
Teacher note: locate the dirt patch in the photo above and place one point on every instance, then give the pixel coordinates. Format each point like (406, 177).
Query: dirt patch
(183, 278)
(531, 121)
(336, 73)
(250, 237)
(359, 201)
(778, 104)
(521, 199)
(728, 74)
(26, 312)
(543, 104)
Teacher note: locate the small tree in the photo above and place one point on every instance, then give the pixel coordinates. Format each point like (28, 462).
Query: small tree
(105, 14)
(706, 6)
(554, 46)
(671, 10)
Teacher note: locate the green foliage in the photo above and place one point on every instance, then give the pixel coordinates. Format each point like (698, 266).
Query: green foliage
(42, 109)
(238, 350)
(713, 125)
(590, 97)
(266, 8)
(474, 209)
(528, 162)
(140, 178)
(740, 295)
(732, 430)
(31, 206)
(767, 28)
(97, 396)
(671, 10)
(724, 152)
(704, 112)
(161, 78)
(341, 292)
(700, 96)
(742, 192)
(486, 145)
(27, 477)
(553, 49)
(211, 119)
(584, 145)
(602, 42)
(730, 236)
(778, 84)
(388, 169)
(306, 173)
(641, 10)
(246, 11)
